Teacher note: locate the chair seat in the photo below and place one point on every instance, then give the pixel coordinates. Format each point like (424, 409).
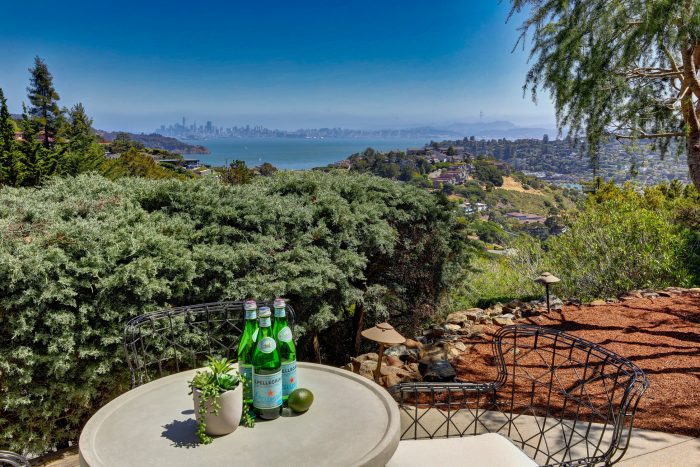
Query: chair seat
(487, 450)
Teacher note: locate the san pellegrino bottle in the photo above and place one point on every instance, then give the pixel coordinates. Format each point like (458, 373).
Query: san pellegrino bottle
(286, 348)
(267, 370)
(246, 348)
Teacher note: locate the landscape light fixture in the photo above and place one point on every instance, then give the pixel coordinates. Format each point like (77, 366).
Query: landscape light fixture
(547, 278)
(384, 334)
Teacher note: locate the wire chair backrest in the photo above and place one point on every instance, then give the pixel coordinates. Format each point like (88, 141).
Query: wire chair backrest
(561, 399)
(177, 339)
(12, 459)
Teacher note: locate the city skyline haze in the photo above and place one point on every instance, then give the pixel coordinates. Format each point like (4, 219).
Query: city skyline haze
(363, 65)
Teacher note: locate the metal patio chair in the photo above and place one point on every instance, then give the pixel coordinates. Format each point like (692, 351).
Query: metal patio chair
(562, 400)
(177, 339)
(12, 459)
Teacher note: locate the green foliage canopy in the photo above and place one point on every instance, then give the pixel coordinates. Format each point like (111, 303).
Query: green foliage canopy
(622, 67)
(81, 256)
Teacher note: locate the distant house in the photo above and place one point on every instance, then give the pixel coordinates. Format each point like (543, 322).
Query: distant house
(473, 208)
(525, 218)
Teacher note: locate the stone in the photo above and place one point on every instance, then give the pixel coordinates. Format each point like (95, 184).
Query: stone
(555, 303)
(393, 361)
(507, 315)
(367, 369)
(453, 327)
(598, 303)
(434, 332)
(477, 331)
(459, 318)
(694, 290)
(495, 309)
(392, 376)
(434, 354)
(367, 356)
(502, 321)
(411, 344)
(439, 372)
(650, 295)
(397, 351)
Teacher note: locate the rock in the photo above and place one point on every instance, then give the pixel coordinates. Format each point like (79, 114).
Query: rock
(556, 303)
(411, 344)
(392, 376)
(635, 293)
(367, 369)
(396, 350)
(459, 318)
(477, 331)
(434, 332)
(650, 295)
(453, 327)
(434, 354)
(440, 371)
(347, 366)
(392, 361)
(514, 305)
(598, 303)
(495, 309)
(507, 315)
(502, 321)
(694, 290)
(367, 356)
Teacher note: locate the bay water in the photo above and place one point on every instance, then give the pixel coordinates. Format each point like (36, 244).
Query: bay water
(292, 153)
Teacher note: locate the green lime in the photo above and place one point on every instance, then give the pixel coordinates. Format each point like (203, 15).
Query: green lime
(300, 400)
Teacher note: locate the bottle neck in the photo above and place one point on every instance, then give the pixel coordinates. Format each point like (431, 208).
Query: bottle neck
(280, 312)
(265, 323)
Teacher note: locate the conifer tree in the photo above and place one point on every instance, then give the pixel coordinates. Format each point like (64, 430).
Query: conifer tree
(7, 144)
(44, 100)
(83, 151)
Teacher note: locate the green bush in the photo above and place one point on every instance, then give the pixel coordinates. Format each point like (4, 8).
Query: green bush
(622, 244)
(82, 255)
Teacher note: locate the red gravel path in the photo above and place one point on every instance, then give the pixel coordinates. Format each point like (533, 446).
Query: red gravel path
(660, 335)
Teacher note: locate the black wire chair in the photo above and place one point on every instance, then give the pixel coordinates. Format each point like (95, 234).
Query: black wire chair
(177, 339)
(12, 459)
(562, 400)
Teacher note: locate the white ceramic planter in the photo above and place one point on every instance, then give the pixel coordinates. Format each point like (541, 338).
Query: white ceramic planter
(229, 414)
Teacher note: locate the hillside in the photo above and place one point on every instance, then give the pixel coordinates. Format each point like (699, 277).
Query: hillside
(156, 141)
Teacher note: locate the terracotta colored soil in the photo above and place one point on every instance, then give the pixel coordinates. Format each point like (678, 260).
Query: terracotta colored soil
(660, 335)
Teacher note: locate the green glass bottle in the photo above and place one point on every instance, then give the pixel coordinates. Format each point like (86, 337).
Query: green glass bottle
(286, 348)
(246, 347)
(267, 371)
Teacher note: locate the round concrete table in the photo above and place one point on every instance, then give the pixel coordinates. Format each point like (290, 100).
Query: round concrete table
(352, 421)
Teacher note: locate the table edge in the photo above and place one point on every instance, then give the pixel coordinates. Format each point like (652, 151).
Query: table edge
(378, 456)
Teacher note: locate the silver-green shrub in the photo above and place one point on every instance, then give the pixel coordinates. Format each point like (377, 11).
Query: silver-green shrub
(82, 255)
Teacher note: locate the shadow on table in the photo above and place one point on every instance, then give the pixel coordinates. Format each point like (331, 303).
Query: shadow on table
(183, 434)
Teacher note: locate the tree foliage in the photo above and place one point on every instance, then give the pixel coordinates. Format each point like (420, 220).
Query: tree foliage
(622, 67)
(44, 101)
(81, 256)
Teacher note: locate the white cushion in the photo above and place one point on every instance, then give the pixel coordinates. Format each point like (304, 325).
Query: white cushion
(487, 450)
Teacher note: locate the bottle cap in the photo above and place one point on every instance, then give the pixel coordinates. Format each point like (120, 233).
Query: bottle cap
(250, 305)
(264, 312)
(279, 303)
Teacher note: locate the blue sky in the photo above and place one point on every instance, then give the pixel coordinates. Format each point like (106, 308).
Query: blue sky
(283, 64)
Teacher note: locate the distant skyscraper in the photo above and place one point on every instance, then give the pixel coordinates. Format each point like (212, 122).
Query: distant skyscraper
(209, 128)
(183, 122)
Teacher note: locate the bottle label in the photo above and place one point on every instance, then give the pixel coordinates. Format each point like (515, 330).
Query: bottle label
(255, 335)
(265, 322)
(285, 334)
(247, 372)
(280, 313)
(289, 377)
(267, 345)
(267, 390)
(251, 314)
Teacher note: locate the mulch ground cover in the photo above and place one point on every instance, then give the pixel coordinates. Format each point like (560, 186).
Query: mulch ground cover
(660, 335)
